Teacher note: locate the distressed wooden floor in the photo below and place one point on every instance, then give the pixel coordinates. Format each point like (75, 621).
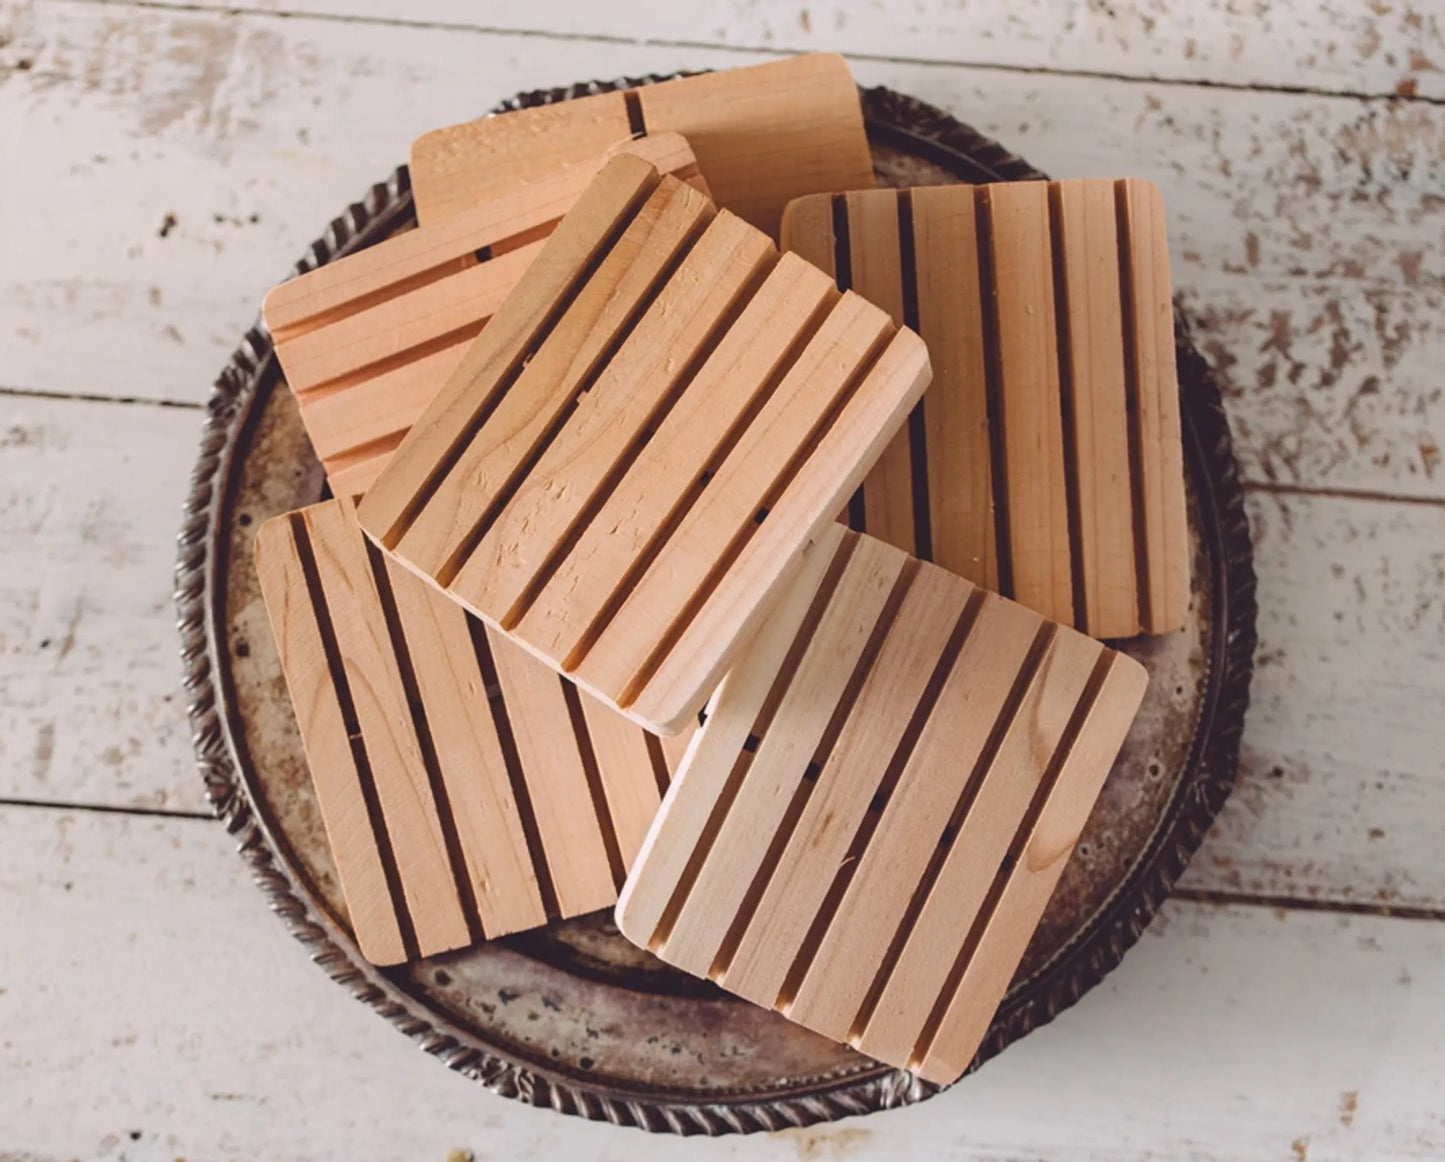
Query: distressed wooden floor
(165, 163)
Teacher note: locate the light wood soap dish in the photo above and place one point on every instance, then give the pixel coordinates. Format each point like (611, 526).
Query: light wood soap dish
(1045, 460)
(467, 791)
(889, 781)
(627, 463)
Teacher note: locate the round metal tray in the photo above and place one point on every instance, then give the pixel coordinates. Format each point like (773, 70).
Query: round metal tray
(572, 1016)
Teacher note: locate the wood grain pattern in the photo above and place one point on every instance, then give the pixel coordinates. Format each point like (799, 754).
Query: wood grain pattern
(366, 341)
(857, 876)
(453, 811)
(550, 489)
(763, 135)
(1049, 442)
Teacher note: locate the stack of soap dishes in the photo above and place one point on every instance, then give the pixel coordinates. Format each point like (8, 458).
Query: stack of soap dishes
(754, 592)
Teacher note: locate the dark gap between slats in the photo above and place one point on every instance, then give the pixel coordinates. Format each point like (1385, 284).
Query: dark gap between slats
(446, 817)
(1030, 820)
(505, 381)
(815, 436)
(546, 890)
(636, 120)
(1132, 388)
(360, 454)
(306, 557)
(499, 502)
(658, 759)
(1063, 328)
(809, 777)
(618, 471)
(595, 787)
(892, 773)
(917, 424)
(993, 389)
(843, 277)
(1033, 661)
(689, 498)
(316, 392)
(734, 782)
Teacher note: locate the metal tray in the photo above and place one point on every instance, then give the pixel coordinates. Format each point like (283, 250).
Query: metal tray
(572, 1016)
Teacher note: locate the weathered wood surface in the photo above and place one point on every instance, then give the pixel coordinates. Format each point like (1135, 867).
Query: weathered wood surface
(1305, 229)
(1352, 46)
(1271, 1035)
(1330, 807)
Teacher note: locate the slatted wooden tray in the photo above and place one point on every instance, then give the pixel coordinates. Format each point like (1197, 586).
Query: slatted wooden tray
(571, 1016)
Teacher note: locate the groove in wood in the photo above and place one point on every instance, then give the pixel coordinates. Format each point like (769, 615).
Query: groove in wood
(467, 790)
(1045, 460)
(886, 789)
(631, 457)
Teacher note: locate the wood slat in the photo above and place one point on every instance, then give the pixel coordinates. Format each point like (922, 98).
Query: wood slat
(469, 755)
(950, 315)
(649, 368)
(1051, 432)
(557, 782)
(1150, 349)
(453, 811)
(876, 266)
(1086, 250)
(366, 341)
(885, 797)
(554, 489)
(697, 431)
(763, 135)
(765, 799)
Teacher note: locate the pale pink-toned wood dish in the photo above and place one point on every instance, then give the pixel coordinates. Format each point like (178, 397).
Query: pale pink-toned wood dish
(867, 827)
(452, 816)
(1045, 460)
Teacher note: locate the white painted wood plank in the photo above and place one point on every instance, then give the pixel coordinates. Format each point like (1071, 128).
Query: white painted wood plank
(1305, 230)
(187, 1023)
(1349, 46)
(1342, 761)
(91, 708)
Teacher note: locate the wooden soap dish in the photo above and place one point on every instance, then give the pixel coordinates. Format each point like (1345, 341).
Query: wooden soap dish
(628, 461)
(1045, 460)
(885, 791)
(467, 790)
